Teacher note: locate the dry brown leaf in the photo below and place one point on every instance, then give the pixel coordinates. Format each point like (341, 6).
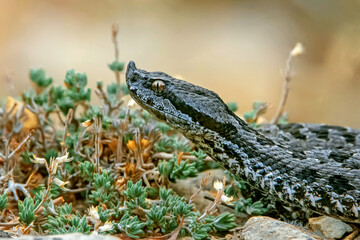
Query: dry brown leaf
(35, 180)
(29, 119)
(112, 143)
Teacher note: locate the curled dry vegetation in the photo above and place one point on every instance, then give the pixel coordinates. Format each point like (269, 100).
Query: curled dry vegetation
(69, 166)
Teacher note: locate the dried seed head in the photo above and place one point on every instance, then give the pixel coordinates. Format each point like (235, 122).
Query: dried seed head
(93, 214)
(38, 160)
(64, 158)
(107, 227)
(226, 199)
(218, 185)
(60, 183)
(297, 50)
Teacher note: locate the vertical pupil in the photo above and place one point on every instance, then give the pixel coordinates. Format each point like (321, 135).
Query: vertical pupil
(158, 86)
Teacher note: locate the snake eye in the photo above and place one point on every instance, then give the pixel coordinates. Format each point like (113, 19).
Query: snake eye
(158, 86)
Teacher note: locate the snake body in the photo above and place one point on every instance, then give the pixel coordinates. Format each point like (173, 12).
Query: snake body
(312, 167)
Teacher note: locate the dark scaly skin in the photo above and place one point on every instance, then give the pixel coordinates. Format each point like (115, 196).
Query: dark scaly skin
(312, 167)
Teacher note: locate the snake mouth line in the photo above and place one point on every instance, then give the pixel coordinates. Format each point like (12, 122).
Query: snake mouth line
(162, 112)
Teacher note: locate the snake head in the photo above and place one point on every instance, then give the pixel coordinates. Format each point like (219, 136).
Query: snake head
(182, 105)
(149, 90)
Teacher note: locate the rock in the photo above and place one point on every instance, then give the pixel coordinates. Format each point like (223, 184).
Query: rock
(329, 227)
(267, 228)
(77, 236)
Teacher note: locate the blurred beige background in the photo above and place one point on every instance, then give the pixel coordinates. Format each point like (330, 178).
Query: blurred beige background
(234, 47)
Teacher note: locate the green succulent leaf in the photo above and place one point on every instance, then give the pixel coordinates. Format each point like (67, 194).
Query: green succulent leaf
(233, 106)
(39, 78)
(26, 210)
(247, 206)
(224, 222)
(3, 201)
(132, 226)
(87, 170)
(116, 66)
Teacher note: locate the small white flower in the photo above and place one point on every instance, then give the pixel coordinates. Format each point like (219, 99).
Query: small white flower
(64, 158)
(38, 160)
(60, 183)
(107, 227)
(53, 165)
(93, 214)
(297, 50)
(226, 199)
(218, 185)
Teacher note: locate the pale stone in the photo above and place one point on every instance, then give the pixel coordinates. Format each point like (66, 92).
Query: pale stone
(329, 227)
(267, 228)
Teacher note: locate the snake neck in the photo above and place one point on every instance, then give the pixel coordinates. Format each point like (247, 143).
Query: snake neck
(232, 141)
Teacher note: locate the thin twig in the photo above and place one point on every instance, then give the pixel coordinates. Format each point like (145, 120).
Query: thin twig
(11, 110)
(119, 152)
(68, 121)
(21, 144)
(56, 201)
(115, 30)
(9, 224)
(98, 130)
(28, 227)
(124, 124)
(13, 186)
(43, 139)
(139, 149)
(78, 189)
(204, 181)
(287, 76)
(47, 191)
(211, 208)
(100, 92)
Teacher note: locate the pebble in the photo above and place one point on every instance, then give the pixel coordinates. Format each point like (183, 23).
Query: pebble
(267, 228)
(330, 227)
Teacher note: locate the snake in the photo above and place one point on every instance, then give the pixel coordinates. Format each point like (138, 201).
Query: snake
(311, 167)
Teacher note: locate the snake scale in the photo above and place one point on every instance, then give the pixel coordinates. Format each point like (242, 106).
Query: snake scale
(313, 167)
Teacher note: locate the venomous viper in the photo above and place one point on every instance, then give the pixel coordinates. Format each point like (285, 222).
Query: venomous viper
(311, 167)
